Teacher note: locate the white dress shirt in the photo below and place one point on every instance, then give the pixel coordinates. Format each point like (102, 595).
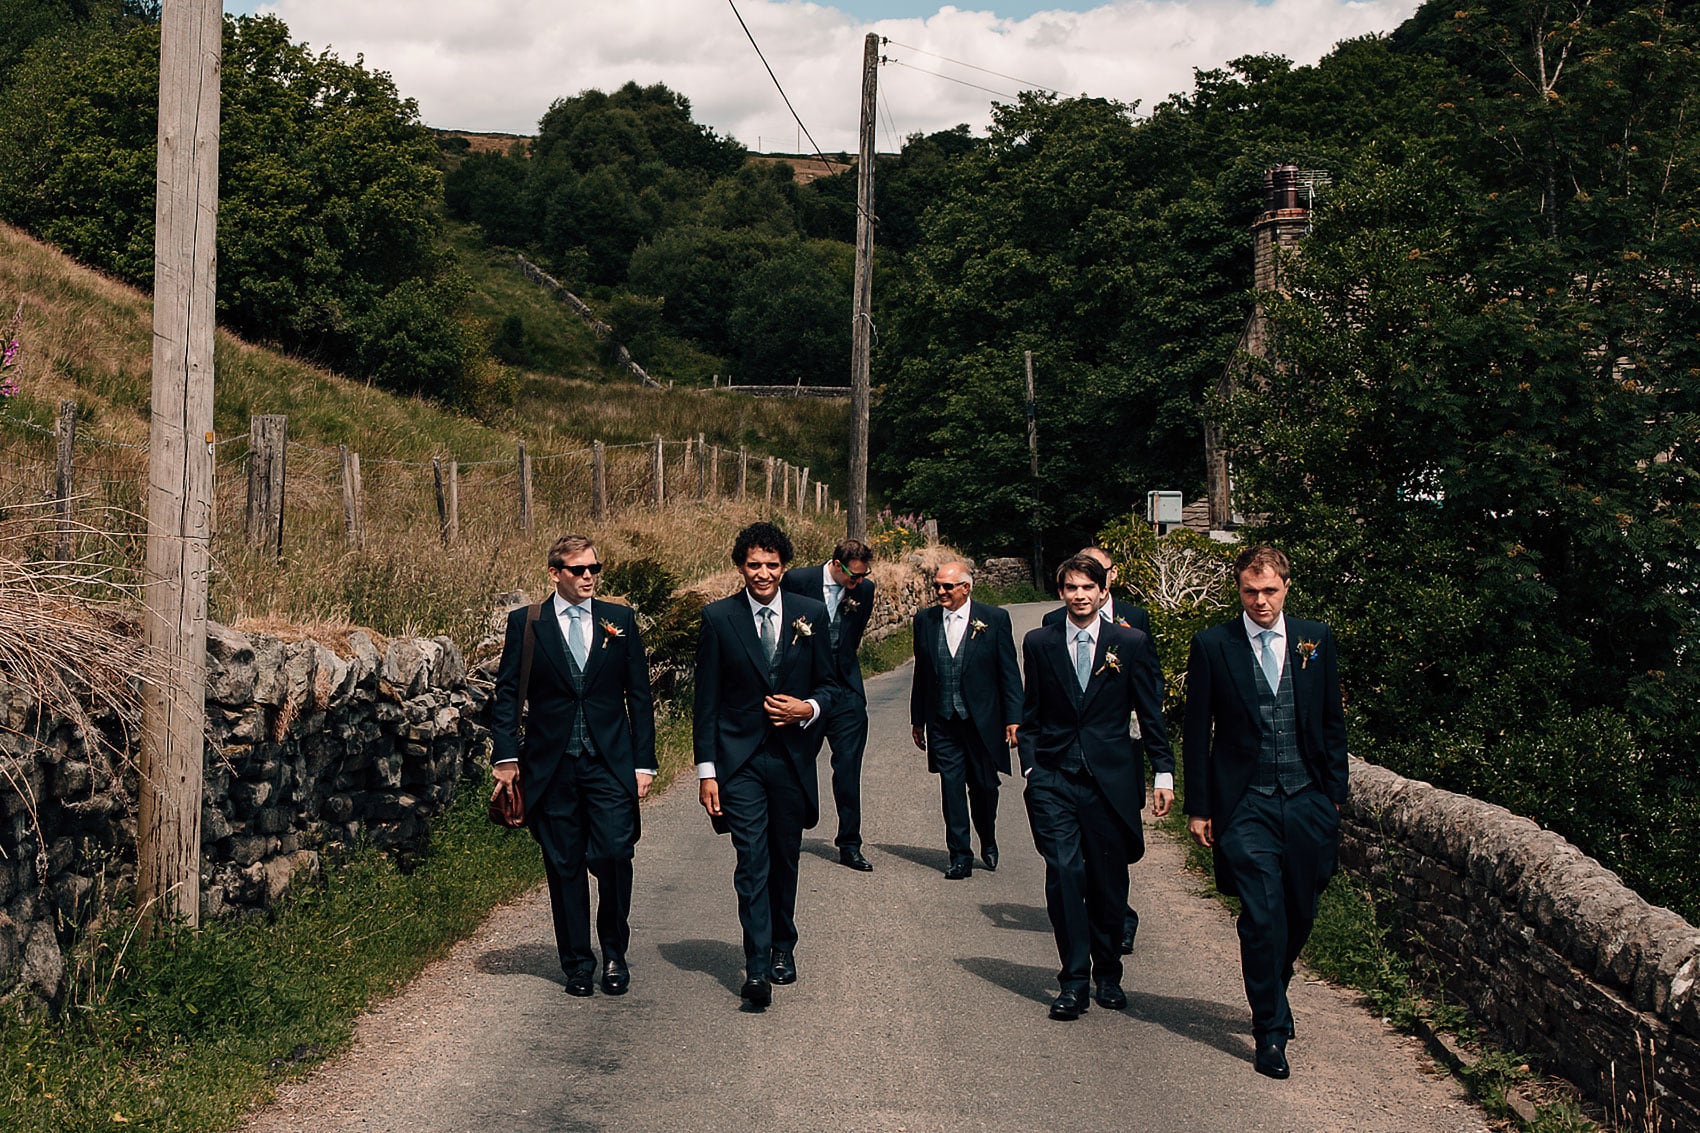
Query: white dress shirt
(705, 769)
(1252, 630)
(955, 625)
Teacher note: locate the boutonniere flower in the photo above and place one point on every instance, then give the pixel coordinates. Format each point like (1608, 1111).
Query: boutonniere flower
(849, 604)
(1124, 623)
(1111, 663)
(1306, 650)
(801, 629)
(976, 625)
(609, 629)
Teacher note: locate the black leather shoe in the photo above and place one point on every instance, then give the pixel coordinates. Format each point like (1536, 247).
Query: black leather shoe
(989, 854)
(1110, 995)
(959, 870)
(1130, 929)
(852, 857)
(758, 993)
(784, 967)
(615, 977)
(1071, 1004)
(579, 984)
(1272, 1056)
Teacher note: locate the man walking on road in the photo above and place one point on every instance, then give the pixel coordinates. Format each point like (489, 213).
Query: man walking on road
(1085, 781)
(1113, 609)
(587, 758)
(964, 709)
(764, 677)
(1265, 743)
(843, 584)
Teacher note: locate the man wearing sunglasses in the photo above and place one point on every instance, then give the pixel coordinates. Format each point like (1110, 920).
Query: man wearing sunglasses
(964, 709)
(587, 756)
(843, 584)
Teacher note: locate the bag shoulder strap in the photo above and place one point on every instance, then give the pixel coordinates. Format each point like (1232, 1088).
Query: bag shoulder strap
(528, 650)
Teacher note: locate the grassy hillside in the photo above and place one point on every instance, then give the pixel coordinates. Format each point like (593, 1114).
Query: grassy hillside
(88, 338)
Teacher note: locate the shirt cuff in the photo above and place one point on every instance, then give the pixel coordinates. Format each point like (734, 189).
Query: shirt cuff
(1163, 781)
(652, 771)
(499, 762)
(706, 771)
(814, 705)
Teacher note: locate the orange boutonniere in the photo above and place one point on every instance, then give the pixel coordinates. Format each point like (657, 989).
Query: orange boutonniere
(1306, 650)
(609, 629)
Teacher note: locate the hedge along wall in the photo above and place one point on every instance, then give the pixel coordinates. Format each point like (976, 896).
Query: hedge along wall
(1545, 945)
(308, 747)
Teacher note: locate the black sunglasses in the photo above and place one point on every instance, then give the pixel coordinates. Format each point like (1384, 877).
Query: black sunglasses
(578, 569)
(855, 575)
(948, 586)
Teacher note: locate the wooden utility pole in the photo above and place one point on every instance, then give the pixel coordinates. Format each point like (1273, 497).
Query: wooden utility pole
(861, 323)
(63, 480)
(1033, 460)
(180, 463)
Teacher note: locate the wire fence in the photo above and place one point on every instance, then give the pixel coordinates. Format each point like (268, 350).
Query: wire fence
(62, 493)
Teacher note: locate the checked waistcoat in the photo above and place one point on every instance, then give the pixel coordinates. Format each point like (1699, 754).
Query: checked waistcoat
(1279, 765)
(951, 706)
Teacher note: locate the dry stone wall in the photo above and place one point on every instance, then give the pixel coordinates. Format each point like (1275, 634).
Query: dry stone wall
(309, 747)
(1546, 946)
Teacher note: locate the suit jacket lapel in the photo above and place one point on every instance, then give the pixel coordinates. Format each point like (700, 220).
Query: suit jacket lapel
(598, 642)
(1099, 672)
(1062, 656)
(551, 644)
(744, 629)
(1241, 660)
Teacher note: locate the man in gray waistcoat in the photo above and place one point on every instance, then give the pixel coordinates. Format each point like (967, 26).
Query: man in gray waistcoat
(1265, 747)
(964, 710)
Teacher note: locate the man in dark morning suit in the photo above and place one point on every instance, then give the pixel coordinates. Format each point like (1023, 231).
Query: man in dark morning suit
(964, 709)
(1265, 744)
(843, 584)
(759, 691)
(587, 758)
(1123, 614)
(1085, 781)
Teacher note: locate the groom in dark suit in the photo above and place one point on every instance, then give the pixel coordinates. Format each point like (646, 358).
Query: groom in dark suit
(1265, 751)
(964, 709)
(587, 758)
(764, 677)
(844, 586)
(1122, 614)
(1085, 780)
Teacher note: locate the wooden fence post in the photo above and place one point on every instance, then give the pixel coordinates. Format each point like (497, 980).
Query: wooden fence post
(803, 490)
(685, 466)
(62, 481)
(268, 444)
(448, 499)
(714, 472)
(743, 471)
(351, 517)
(702, 466)
(598, 482)
(768, 479)
(524, 488)
(784, 484)
(660, 462)
(820, 497)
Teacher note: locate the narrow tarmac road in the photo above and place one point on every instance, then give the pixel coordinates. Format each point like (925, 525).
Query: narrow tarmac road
(920, 1007)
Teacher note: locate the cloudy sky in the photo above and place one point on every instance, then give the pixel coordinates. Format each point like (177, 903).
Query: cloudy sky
(497, 64)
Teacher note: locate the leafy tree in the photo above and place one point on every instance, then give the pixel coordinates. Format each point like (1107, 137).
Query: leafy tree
(327, 239)
(489, 190)
(790, 324)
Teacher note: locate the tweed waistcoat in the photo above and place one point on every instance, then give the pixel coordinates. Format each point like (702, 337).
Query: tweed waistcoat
(951, 706)
(1279, 765)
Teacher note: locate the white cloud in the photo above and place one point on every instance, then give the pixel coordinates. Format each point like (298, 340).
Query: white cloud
(497, 64)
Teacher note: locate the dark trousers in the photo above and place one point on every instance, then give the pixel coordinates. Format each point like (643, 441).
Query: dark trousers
(587, 820)
(764, 806)
(1281, 850)
(968, 783)
(1085, 845)
(847, 733)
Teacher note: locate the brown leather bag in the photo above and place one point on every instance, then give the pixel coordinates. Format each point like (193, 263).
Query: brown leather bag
(507, 804)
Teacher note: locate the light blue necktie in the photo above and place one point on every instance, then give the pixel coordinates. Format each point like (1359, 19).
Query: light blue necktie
(576, 640)
(1266, 658)
(834, 593)
(1083, 658)
(769, 634)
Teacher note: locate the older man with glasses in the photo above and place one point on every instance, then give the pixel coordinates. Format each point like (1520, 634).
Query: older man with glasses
(587, 756)
(964, 710)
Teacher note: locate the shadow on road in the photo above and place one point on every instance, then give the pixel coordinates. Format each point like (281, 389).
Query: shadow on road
(540, 960)
(933, 857)
(1022, 918)
(1197, 1020)
(821, 848)
(723, 961)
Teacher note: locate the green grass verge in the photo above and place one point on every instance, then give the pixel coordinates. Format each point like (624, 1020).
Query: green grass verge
(187, 1032)
(888, 653)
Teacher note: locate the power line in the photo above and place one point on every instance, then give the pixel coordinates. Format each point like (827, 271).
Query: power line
(748, 35)
(949, 79)
(1028, 83)
(890, 124)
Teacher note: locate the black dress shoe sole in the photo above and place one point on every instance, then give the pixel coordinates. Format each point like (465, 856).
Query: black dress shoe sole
(1067, 1014)
(862, 865)
(757, 994)
(1277, 1071)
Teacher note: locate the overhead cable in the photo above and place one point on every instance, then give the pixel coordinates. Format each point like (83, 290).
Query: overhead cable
(1027, 83)
(947, 78)
(751, 37)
